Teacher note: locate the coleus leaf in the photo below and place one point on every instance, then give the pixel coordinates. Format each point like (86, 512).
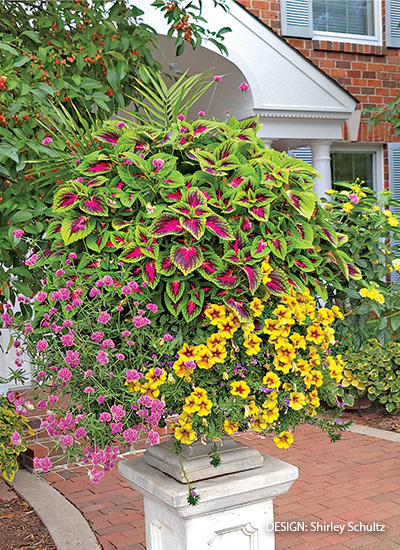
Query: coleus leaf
(260, 213)
(75, 228)
(174, 179)
(119, 224)
(166, 224)
(118, 239)
(149, 274)
(195, 227)
(342, 238)
(354, 271)
(303, 201)
(173, 196)
(97, 241)
(303, 264)
(95, 205)
(226, 278)
(278, 283)
(208, 268)
(186, 258)
(173, 307)
(150, 249)
(65, 199)
(259, 247)
(131, 254)
(240, 308)
(53, 229)
(254, 276)
(201, 127)
(194, 197)
(191, 310)
(219, 226)
(278, 247)
(164, 265)
(225, 149)
(328, 234)
(100, 166)
(175, 289)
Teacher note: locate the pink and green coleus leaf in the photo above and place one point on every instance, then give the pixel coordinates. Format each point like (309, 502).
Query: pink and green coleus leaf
(254, 277)
(166, 224)
(151, 249)
(226, 278)
(303, 201)
(117, 239)
(328, 234)
(175, 289)
(119, 224)
(76, 227)
(259, 247)
(186, 258)
(278, 283)
(303, 264)
(239, 308)
(173, 307)
(191, 310)
(173, 196)
(278, 247)
(97, 241)
(194, 197)
(95, 205)
(100, 166)
(164, 265)
(53, 229)
(149, 274)
(219, 226)
(225, 150)
(195, 227)
(65, 199)
(260, 213)
(132, 254)
(209, 268)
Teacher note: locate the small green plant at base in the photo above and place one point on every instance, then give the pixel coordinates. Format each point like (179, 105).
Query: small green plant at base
(13, 426)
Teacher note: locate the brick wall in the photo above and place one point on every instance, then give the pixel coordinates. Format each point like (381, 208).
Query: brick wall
(369, 73)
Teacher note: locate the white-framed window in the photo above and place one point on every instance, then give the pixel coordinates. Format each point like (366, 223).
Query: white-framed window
(352, 161)
(352, 21)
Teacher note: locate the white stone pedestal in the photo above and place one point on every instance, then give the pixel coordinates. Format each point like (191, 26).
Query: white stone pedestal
(235, 511)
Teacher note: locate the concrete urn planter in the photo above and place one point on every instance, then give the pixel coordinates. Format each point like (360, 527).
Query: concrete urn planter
(235, 510)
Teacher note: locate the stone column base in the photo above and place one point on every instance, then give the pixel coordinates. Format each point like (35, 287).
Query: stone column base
(235, 511)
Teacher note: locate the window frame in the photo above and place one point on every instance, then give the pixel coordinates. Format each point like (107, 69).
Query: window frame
(377, 160)
(375, 40)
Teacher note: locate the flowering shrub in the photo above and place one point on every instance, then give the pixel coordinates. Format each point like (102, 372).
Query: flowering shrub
(374, 370)
(371, 304)
(181, 281)
(13, 427)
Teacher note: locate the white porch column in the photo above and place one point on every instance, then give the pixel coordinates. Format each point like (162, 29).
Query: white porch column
(321, 154)
(267, 142)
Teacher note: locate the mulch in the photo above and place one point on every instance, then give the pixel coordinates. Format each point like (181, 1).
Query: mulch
(374, 416)
(20, 527)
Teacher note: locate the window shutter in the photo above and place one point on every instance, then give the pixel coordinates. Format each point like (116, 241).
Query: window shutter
(297, 18)
(394, 183)
(392, 23)
(302, 153)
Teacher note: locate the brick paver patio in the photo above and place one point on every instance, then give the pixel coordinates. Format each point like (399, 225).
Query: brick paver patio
(355, 480)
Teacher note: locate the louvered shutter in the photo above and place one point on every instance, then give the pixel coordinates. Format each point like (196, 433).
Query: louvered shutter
(297, 18)
(392, 23)
(394, 182)
(302, 153)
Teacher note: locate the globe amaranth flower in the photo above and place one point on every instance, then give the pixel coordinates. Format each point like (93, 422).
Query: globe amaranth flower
(201, 113)
(217, 78)
(95, 475)
(47, 141)
(105, 417)
(67, 339)
(66, 440)
(97, 336)
(80, 433)
(88, 389)
(104, 317)
(43, 463)
(180, 117)
(125, 333)
(41, 296)
(130, 435)
(108, 343)
(31, 260)
(153, 437)
(72, 358)
(18, 233)
(118, 412)
(59, 272)
(159, 163)
(102, 358)
(101, 399)
(16, 438)
(64, 374)
(42, 345)
(152, 307)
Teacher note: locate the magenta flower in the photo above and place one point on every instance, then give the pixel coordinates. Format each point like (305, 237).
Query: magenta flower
(153, 437)
(64, 293)
(102, 358)
(67, 323)
(133, 374)
(180, 117)
(88, 373)
(41, 296)
(31, 260)
(152, 307)
(47, 141)
(217, 78)
(53, 398)
(43, 463)
(201, 113)
(167, 337)
(105, 417)
(159, 163)
(66, 440)
(116, 427)
(64, 374)
(104, 317)
(125, 333)
(67, 339)
(353, 198)
(72, 358)
(140, 321)
(16, 438)
(118, 412)
(108, 280)
(97, 336)
(130, 435)
(80, 433)
(88, 389)
(72, 255)
(243, 87)
(42, 345)
(18, 233)
(59, 272)
(101, 400)
(121, 124)
(120, 356)
(108, 343)
(95, 475)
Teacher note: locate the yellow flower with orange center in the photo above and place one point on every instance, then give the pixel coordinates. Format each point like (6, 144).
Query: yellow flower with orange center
(133, 386)
(180, 369)
(150, 389)
(231, 427)
(313, 398)
(258, 423)
(314, 378)
(215, 340)
(187, 353)
(158, 379)
(270, 415)
(282, 365)
(191, 404)
(257, 307)
(185, 434)
(252, 343)
(205, 406)
(218, 354)
(315, 334)
(199, 393)
(203, 357)
(271, 401)
(270, 325)
(284, 315)
(325, 316)
(283, 440)
(298, 341)
(240, 388)
(227, 327)
(215, 313)
(297, 400)
(271, 380)
(286, 354)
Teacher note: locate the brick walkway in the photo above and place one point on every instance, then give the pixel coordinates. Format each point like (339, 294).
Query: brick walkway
(355, 480)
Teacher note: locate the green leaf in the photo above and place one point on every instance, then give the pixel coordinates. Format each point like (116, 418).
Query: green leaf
(33, 36)
(22, 216)
(22, 288)
(113, 78)
(8, 48)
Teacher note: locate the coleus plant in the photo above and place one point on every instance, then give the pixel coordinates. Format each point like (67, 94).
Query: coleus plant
(195, 210)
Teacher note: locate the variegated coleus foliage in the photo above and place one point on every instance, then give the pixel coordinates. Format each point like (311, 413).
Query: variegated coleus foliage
(195, 211)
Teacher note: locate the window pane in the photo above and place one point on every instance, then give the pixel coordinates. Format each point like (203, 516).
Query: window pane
(350, 166)
(344, 16)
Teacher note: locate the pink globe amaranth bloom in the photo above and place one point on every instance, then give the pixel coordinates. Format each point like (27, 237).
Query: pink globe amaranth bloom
(64, 374)
(121, 124)
(133, 374)
(167, 337)
(201, 113)
(140, 311)
(43, 463)
(66, 440)
(64, 293)
(152, 307)
(88, 389)
(7, 319)
(67, 323)
(140, 321)
(243, 87)
(130, 435)
(67, 422)
(153, 437)
(108, 343)
(353, 198)
(116, 428)
(52, 398)
(102, 358)
(180, 117)
(59, 272)
(18, 233)
(40, 374)
(125, 333)
(52, 311)
(97, 336)
(42, 404)
(31, 260)
(16, 438)
(105, 417)
(159, 163)
(47, 141)
(99, 283)
(41, 296)
(95, 475)
(72, 358)
(80, 433)
(72, 255)
(217, 78)
(67, 339)
(118, 412)
(104, 317)
(120, 356)
(108, 280)
(42, 345)
(88, 373)
(127, 289)
(101, 399)
(120, 308)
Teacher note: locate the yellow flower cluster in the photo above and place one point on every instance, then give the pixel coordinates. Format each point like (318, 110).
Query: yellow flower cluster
(372, 294)
(392, 220)
(151, 386)
(396, 265)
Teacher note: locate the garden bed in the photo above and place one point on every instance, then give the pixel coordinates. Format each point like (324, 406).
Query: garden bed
(375, 416)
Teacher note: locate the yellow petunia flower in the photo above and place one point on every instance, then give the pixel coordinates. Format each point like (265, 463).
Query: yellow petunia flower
(271, 380)
(185, 434)
(315, 334)
(240, 388)
(215, 313)
(257, 307)
(205, 406)
(258, 423)
(297, 400)
(231, 427)
(270, 415)
(283, 440)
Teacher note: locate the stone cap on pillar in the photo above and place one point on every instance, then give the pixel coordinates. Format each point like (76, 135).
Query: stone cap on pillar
(274, 478)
